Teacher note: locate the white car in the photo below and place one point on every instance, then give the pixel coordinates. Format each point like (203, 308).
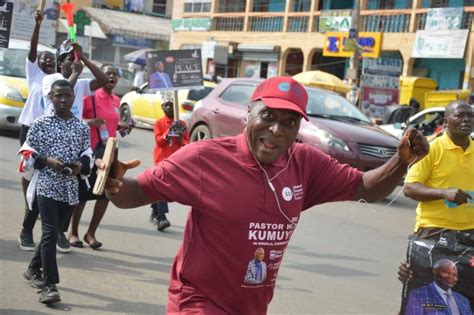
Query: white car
(429, 121)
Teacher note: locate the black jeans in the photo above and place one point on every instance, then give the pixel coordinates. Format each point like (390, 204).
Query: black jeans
(53, 215)
(30, 217)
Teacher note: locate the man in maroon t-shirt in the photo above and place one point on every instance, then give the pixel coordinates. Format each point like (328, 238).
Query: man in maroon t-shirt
(246, 195)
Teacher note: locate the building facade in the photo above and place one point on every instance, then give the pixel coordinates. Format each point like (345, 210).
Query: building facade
(264, 38)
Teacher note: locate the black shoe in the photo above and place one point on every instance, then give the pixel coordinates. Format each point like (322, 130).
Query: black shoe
(63, 244)
(35, 277)
(26, 240)
(163, 224)
(49, 294)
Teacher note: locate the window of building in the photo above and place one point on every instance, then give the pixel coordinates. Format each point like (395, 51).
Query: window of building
(301, 5)
(197, 6)
(159, 7)
(387, 5)
(269, 6)
(231, 6)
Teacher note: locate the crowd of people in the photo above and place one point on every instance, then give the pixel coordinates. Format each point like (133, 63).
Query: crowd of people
(256, 183)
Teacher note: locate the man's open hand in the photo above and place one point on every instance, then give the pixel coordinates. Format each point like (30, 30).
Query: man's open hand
(114, 181)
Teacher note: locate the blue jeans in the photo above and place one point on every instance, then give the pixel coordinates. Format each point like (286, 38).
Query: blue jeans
(159, 209)
(53, 216)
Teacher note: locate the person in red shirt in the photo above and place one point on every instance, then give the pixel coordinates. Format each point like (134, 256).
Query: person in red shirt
(247, 192)
(170, 136)
(106, 114)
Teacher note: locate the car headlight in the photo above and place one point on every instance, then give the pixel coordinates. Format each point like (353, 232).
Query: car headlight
(10, 93)
(332, 141)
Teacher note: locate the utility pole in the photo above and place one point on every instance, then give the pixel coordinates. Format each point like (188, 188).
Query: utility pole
(353, 45)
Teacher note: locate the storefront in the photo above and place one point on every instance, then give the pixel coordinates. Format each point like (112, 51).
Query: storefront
(127, 32)
(259, 61)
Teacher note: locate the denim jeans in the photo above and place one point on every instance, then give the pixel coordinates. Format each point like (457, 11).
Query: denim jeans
(53, 216)
(159, 208)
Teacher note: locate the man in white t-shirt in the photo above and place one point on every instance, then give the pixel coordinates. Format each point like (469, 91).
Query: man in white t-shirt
(70, 69)
(139, 78)
(37, 66)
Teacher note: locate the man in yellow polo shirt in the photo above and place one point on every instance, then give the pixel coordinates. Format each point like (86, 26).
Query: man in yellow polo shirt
(443, 181)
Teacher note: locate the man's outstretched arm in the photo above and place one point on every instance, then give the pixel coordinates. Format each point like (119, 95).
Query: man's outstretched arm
(126, 193)
(380, 182)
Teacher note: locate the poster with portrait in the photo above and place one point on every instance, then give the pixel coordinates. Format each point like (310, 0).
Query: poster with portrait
(447, 263)
(174, 69)
(24, 20)
(6, 10)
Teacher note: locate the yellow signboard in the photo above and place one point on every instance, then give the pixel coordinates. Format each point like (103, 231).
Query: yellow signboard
(335, 42)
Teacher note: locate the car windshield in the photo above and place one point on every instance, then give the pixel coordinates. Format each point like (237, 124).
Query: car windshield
(12, 62)
(329, 105)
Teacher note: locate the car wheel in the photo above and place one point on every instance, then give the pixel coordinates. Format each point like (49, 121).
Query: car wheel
(125, 114)
(199, 133)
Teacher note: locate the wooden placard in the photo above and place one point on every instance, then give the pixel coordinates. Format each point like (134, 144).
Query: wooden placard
(41, 6)
(110, 156)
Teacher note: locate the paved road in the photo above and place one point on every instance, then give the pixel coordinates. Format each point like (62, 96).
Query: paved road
(341, 260)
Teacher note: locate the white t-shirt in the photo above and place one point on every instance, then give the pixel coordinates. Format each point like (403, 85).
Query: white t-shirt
(139, 79)
(81, 89)
(34, 106)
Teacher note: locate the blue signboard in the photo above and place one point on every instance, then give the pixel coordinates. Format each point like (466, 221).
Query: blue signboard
(123, 41)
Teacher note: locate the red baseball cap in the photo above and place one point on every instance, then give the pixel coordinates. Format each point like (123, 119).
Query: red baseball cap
(282, 93)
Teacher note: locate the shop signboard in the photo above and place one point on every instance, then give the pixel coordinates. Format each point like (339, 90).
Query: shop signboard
(334, 21)
(440, 44)
(208, 49)
(391, 66)
(251, 69)
(191, 24)
(131, 42)
(174, 69)
(23, 21)
(6, 11)
(375, 101)
(380, 84)
(381, 81)
(442, 19)
(334, 44)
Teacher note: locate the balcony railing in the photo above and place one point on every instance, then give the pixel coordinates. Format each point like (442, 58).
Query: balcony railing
(298, 24)
(266, 24)
(398, 23)
(228, 24)
(387, 21)
(466, 22)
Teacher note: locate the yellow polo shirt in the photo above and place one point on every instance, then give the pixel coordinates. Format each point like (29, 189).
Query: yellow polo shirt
(446, 166)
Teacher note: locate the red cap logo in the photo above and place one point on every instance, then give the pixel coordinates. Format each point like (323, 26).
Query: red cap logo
(282, 93)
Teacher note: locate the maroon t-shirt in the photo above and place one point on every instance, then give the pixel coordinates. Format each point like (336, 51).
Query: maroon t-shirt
(235, 234)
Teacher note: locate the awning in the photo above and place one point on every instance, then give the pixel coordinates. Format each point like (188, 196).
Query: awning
(96, 30)
(258, 48)
(131, 24)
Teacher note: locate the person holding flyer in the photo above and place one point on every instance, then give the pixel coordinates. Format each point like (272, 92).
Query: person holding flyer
(442, 184)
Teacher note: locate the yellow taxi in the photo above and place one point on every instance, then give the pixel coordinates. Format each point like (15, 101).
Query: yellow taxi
(13, 86)
(144, 105)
